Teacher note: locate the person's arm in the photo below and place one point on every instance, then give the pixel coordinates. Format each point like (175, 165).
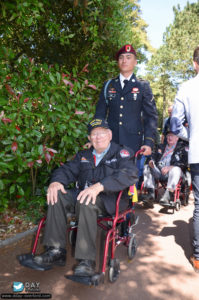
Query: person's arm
(180, 155)
(68, 172)
(61, 178)
(178, 117)
(166, 169)
(53, 189)
(90, 194)
(124, 176)
(150, 117)
(101, 107)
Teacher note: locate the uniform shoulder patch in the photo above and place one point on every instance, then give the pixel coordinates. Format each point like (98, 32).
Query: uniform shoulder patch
(124, 153)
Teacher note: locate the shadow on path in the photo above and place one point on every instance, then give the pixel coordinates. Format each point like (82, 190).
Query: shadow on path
(182, 233)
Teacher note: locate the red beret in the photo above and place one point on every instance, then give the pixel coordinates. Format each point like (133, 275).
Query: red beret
(126, 49)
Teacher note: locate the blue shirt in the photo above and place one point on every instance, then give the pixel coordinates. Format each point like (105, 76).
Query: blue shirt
(99, 156)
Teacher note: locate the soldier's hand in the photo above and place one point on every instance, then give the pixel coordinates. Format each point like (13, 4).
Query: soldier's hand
(52, 191)
(147, 150)
(90, 194)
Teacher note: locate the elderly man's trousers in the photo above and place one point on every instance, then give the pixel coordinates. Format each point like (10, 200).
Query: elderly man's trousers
(56, 224)
(172, 177)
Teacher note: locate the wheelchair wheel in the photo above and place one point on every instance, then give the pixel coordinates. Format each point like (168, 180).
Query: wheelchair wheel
(178, 204)
(132, 247)
(114, 270)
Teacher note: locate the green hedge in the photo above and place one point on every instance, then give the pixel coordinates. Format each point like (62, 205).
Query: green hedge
(44, 111)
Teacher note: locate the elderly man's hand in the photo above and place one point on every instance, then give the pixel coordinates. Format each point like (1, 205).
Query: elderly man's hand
(147, 150)
(151, 164)
(90, 193)
(53, 188)
(166, 169)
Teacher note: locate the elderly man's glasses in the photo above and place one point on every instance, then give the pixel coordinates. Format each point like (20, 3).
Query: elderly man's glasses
(100, 134)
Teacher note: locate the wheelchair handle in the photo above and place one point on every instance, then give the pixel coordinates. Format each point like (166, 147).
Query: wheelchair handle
(139, 152)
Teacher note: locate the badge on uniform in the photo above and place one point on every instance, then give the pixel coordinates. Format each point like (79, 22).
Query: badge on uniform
(83, 159)
(135, 91)
(112, 93)
(124, 153)
(112, 90)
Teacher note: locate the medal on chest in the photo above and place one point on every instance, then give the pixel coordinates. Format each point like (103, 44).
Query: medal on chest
(111, 93)
(135, 91)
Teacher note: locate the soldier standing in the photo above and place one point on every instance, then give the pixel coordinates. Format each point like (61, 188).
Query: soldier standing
(129, 106)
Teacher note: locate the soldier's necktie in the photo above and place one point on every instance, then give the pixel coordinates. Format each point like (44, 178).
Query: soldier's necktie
(125, 82)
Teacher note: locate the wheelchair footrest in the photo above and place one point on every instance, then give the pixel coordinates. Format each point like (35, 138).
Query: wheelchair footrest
(95, 280)
(170, 204)
(27, 260)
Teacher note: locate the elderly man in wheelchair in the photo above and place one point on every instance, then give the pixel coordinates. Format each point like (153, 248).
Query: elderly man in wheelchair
(100, 172)
(167, 164)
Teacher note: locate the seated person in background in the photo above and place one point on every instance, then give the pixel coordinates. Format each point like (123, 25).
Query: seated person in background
(167, 164)
(100, 172)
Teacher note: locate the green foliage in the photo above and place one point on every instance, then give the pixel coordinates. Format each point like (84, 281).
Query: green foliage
(44, 112)
(45, 98)
(172, 62)
(71, 32)
(181, 38)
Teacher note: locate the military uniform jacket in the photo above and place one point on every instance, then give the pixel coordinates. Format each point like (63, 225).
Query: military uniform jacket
(116, 171)
(131, 112)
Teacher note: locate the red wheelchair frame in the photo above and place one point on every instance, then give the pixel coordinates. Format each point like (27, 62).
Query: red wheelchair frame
(113, 238)
(181, 193)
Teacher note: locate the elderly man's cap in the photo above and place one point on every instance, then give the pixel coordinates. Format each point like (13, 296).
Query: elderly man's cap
(170, 131)
(126, 49)
(97, 123)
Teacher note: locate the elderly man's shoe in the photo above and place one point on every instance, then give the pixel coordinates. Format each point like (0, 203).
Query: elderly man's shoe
(195, 263)
(167, 197)
(52, 256)
(86, 267)
(148, 202)
(149, 198)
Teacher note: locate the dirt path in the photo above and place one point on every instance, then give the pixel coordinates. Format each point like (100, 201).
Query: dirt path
(159, 271)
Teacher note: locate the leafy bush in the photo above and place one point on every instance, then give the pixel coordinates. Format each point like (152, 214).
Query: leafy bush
(45, 98)
(44, 111)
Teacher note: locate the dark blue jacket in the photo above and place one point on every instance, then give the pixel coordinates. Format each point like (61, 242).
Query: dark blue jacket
(179, 157)
(116, 171)
(131, 112)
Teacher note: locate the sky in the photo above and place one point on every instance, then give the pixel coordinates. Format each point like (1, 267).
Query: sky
(158, 14)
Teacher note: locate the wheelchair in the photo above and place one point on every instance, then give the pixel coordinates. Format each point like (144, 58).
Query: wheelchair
(181, 193)
(119, 230)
